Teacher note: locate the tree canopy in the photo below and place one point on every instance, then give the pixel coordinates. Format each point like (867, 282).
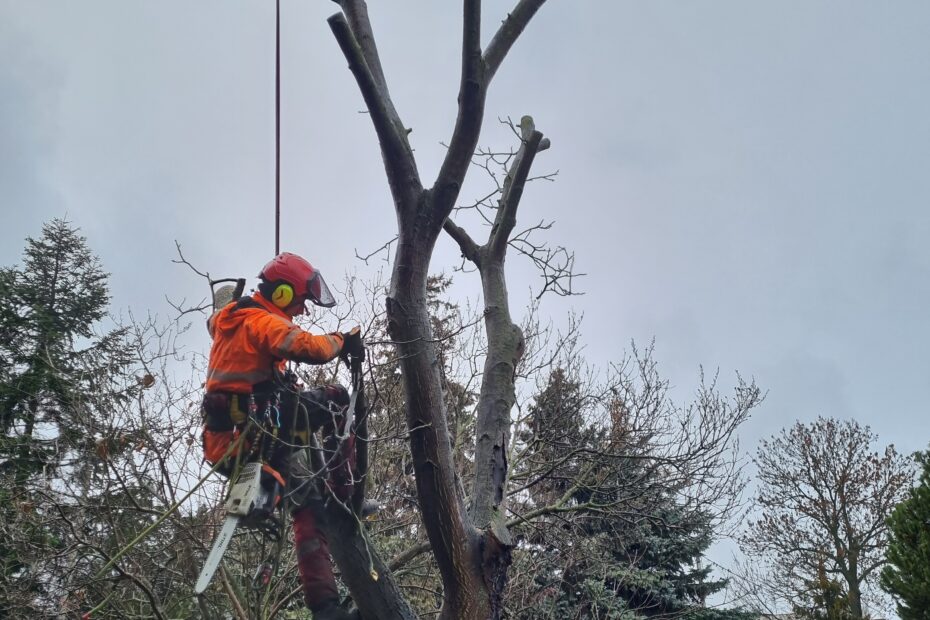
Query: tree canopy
(823, 499)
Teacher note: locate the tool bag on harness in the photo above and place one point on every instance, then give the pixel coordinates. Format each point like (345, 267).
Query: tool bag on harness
(225, 418)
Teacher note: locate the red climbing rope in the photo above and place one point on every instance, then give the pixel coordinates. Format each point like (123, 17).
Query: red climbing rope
(277, 129)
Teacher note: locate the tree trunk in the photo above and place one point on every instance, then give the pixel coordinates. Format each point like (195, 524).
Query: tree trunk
(368, 579)
(455, 544)
(23, 470)
(472, 566)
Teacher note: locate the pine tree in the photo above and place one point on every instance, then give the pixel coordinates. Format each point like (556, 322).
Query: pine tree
(907, 574)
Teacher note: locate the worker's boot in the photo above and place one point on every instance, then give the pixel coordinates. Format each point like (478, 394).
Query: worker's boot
(330, 610)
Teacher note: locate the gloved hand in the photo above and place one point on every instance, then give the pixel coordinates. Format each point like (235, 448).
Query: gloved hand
(352, 344)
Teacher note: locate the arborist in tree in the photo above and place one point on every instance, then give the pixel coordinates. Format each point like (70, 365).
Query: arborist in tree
(253, 338)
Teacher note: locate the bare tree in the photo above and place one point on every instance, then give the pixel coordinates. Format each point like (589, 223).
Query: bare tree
(470, 543)
(823, 501)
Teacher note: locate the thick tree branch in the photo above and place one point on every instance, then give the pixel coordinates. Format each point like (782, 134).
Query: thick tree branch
(507, 35)
(472, 93)
(513, 188)
(467, 245)
(471, 40)
(403, 177)
(369, 580)
(356, 12)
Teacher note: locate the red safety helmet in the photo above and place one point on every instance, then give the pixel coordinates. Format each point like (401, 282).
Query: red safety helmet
(304, 280)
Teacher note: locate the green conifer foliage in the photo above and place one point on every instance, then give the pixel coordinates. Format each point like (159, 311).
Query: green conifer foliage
(49, 310)
(907, 574)
(53, 365)
(636, 550)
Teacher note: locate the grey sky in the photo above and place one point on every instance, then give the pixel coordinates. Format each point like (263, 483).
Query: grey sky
(747, 182)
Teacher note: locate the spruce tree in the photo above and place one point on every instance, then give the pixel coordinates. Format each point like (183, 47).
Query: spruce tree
(52, 356)
(53, 366)
(637, 551)
(907, 574)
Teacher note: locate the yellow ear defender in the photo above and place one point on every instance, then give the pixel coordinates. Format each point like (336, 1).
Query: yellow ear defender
(283, 295)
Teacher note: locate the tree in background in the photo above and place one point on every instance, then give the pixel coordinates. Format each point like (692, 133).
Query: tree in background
(52, 360)
(91, 450)
(823, 500)
(906, 575)
(618, 513)
(52, 355)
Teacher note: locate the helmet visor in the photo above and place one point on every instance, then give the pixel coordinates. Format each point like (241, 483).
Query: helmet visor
(318, 292)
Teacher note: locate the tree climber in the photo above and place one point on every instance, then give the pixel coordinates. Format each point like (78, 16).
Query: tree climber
(253, 338)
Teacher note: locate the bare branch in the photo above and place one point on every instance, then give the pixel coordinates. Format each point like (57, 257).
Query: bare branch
(469, 248)
(356, 12)
(507, 34)
(384, 248)
(513, 187)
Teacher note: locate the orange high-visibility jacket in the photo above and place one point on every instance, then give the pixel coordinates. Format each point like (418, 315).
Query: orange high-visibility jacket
(251, 337)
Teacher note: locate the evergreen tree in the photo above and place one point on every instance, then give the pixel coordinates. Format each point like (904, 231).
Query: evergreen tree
(637, 551)
(51, 355)
(907, 574)
(53, 365)
(827, 601)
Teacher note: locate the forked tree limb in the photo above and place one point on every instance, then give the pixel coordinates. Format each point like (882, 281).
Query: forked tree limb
(470, 588)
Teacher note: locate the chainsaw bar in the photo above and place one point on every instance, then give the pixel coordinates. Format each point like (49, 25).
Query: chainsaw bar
(216, 553)
(247, 501)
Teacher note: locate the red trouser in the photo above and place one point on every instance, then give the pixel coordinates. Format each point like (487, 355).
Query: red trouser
(313, 559)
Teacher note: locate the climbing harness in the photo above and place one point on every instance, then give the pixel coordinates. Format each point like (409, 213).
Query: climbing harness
(252, 501)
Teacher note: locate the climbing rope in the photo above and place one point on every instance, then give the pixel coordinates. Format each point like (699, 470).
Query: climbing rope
(277, 129)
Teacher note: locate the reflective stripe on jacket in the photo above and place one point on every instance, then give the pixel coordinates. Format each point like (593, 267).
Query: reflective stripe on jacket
(253, 335)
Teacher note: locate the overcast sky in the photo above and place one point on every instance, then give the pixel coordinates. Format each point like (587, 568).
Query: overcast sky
(748, 183)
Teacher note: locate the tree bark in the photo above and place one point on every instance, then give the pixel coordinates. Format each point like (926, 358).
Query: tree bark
(464, 556)
(363, 572)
